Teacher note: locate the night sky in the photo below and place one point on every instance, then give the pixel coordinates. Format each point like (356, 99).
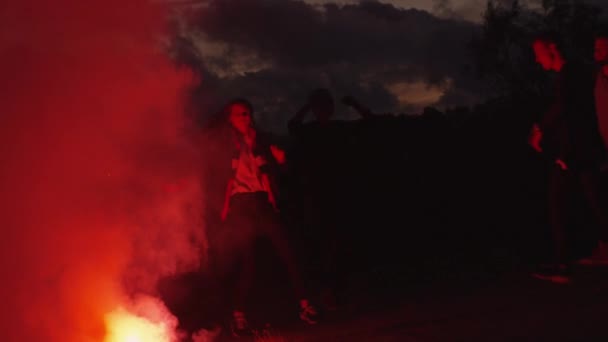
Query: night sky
(396, 56)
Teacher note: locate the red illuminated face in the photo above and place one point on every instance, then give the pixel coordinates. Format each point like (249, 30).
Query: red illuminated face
(240, 118)
(601, 50)
(543, 54)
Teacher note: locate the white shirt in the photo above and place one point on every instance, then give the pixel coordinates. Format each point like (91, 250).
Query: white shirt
(248, 177)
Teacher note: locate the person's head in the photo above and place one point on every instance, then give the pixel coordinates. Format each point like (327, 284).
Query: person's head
(321, 104)
(600, 51)
(548, 53)
(239, 113)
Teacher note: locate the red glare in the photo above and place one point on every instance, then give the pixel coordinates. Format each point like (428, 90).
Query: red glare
(90, 133)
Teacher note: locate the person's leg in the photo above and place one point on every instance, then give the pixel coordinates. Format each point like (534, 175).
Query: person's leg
(283, 249)
(272, 227)
(319, 247)
(331, 254)
(310, 246)
(594, 192)
(558, 212)
(245, 277)
(241, 224)
(558, 208)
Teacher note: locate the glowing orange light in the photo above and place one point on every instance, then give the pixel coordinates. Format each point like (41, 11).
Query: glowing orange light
(123, 326)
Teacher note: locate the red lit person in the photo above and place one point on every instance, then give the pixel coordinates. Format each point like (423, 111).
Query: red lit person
(600, 253)
(250, 210)
(568, 135)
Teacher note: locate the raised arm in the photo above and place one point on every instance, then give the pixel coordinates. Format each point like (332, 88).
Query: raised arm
(365, 112)
(295, 122)
(535, 138)
(226, 206)
(551, 122)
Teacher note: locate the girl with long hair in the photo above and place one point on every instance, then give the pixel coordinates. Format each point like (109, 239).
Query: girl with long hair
(250, 210)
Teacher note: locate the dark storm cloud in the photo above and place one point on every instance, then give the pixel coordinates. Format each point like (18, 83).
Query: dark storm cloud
(275, 51)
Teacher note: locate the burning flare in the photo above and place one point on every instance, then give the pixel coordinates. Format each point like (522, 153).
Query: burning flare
(125, 327)
(148, 321)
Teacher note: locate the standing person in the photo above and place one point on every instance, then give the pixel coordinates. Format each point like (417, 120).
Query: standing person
(600, 55)
(568, 135)
(326, 165)
(317, 150)
(250, 211)
(600, 254)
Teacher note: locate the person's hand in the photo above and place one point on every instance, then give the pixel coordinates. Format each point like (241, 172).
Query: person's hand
(224, 213)
(278, 154)
(561, 164)
(535, 138)
(272, 200)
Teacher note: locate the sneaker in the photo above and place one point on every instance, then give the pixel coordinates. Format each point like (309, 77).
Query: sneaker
(599, 256)
(308, 314)
(557, 274)
(239, 325)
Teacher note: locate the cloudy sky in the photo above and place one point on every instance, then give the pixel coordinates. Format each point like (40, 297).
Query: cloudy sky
(394, 55)
(467, 9)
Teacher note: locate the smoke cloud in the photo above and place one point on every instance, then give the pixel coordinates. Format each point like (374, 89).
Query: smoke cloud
(100, 191)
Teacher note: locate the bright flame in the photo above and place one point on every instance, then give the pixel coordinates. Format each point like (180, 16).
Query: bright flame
(123, 326)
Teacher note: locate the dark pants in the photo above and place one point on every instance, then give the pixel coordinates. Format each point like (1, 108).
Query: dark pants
(562, 184)
(324, 244)
(251, 216)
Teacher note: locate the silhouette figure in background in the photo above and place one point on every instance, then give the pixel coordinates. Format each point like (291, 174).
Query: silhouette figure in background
(601, 84)
(600, 253)
(323, 153)
(568, 135)
(250, 211)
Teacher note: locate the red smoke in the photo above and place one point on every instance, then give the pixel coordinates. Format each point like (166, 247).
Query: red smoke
(90, 140)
